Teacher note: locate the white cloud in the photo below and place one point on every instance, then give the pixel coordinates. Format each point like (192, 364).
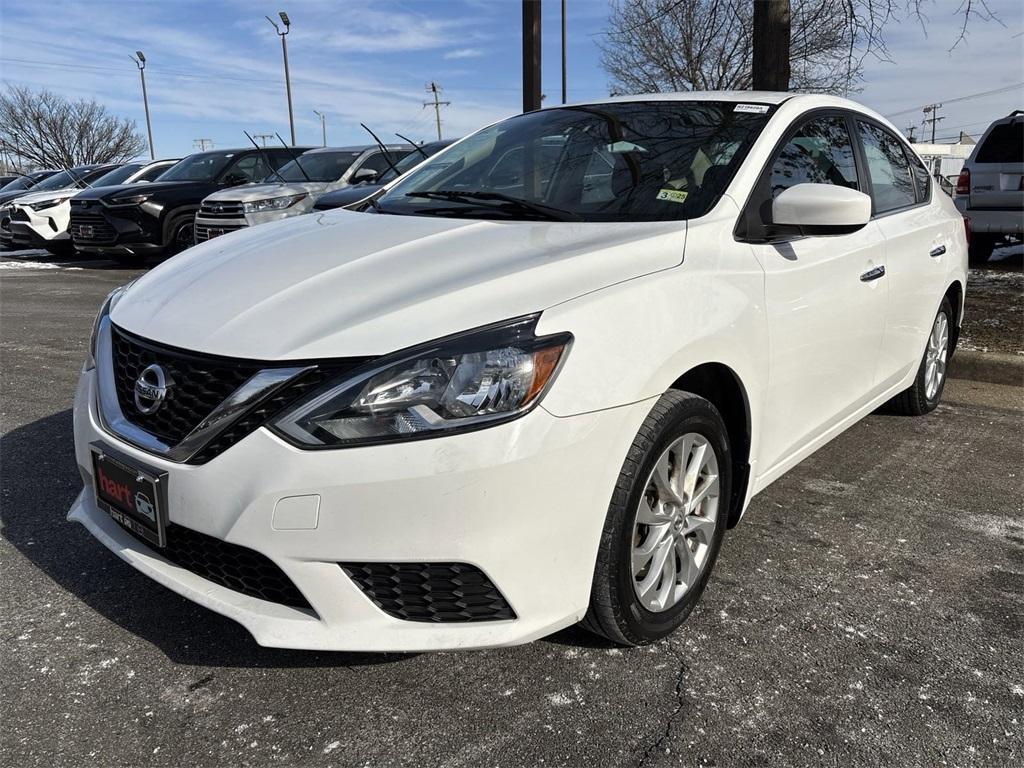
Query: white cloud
(464, 53)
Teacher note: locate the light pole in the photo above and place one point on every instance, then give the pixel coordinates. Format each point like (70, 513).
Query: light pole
(287, 78)
(323, 124)
(141, 63)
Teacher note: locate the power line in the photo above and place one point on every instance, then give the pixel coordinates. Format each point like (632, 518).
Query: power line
(959, 98)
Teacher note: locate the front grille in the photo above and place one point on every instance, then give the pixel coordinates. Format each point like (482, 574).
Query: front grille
(90, 228)
(200, 383)
(436, 592)
(238, 568)
(221, 210)
(205, 232)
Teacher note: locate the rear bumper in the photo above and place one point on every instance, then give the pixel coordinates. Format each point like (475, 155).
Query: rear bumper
(523, 502)
(992, 221)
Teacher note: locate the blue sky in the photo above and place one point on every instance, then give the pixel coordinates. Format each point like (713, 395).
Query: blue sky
(214, 67)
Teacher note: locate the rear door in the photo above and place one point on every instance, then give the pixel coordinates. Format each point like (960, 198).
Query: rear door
(997, 170)
(919, 244)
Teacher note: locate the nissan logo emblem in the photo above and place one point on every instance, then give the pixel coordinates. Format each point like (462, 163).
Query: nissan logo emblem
(151, 389)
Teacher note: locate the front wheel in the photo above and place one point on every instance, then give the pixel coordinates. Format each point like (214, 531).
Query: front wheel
(182, 237)
(665, 523)
(924, 394)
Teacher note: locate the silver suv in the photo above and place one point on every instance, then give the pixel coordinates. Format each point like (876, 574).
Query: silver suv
(990, 190)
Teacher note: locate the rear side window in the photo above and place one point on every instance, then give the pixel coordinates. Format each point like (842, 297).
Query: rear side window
(892, 184)
(820, 153)
(1004, 144)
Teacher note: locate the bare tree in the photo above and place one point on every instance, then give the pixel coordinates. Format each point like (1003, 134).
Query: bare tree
(681, 45)
(47, 130)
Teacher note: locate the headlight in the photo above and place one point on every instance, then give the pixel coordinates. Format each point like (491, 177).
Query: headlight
(43, 204)
(130, 200)
(462, 382)
(105, 309)
(271, 204)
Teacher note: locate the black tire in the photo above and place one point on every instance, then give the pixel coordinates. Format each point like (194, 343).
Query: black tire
(615, 611)
(980, 249)
(914, 400)
(181, 236)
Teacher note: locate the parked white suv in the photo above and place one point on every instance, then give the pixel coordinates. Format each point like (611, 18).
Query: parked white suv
(492, 405)
(294, 189)
(990, 189)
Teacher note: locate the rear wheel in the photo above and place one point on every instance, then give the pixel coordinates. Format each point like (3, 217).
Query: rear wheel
(665, 523)
(924, 394)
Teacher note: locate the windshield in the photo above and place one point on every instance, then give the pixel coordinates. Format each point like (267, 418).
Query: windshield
(625, 161)
(116, 176)
(318, 166)
(22, 182)
(409, 162)
(57, 181)
(202, 167)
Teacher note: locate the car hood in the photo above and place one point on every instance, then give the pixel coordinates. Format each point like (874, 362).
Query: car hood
(97, 193)
(340, 283)
(50, 194)
(250, 192)
(348, 195)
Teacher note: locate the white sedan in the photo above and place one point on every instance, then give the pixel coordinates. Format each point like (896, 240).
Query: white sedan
(532, 383)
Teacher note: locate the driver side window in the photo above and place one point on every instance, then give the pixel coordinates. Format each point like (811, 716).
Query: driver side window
(820, 152)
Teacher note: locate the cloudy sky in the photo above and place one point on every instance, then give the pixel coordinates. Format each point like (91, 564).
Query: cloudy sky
(214, 67)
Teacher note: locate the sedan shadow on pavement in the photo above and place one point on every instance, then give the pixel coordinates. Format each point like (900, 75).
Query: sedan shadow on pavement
(38, 484)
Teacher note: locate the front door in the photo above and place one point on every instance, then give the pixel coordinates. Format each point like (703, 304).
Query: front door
(825, 301)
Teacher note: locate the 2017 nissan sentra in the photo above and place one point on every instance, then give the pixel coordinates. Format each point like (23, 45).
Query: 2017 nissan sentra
(533, 383)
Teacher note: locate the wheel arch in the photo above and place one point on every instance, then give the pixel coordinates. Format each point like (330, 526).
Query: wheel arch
(955, 294)
(175, 217)
(719, 384)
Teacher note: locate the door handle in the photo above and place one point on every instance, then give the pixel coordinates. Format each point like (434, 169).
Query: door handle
(873, 274)
(937, 251)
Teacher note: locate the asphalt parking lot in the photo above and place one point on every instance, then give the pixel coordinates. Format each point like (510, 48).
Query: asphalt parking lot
(868, 611)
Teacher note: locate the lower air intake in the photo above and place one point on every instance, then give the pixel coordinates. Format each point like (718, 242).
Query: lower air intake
(438, 592)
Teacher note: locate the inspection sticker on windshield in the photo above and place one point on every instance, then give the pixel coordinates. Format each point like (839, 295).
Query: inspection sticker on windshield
(754, 109)
(671, 195)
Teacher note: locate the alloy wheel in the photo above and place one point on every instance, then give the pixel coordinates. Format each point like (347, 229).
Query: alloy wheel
(935, 356)
(675, 523)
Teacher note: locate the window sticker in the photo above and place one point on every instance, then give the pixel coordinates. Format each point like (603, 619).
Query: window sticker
(754, 109)
(671, 195)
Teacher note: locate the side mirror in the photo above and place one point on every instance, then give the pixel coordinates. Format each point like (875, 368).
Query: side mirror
(363, 176)
(821, 209)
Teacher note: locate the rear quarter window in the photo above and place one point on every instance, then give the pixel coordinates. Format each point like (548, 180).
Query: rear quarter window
(1004, 144)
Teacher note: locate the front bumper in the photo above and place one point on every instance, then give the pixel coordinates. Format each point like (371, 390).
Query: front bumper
(524, 502)
(123, 230)
(208, 227)
(25, 227)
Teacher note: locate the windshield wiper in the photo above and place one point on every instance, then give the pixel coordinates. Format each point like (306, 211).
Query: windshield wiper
(470, 196)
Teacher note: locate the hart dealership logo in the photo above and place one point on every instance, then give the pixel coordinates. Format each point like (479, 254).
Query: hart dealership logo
(151, 389)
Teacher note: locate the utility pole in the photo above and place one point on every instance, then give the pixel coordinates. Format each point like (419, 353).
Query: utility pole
(202, 144)
(284, 51)
(933, 110)
(436, 91)
(141, 64)
(263, 137)
(531, 55)
(563, 53)
(323, 125)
